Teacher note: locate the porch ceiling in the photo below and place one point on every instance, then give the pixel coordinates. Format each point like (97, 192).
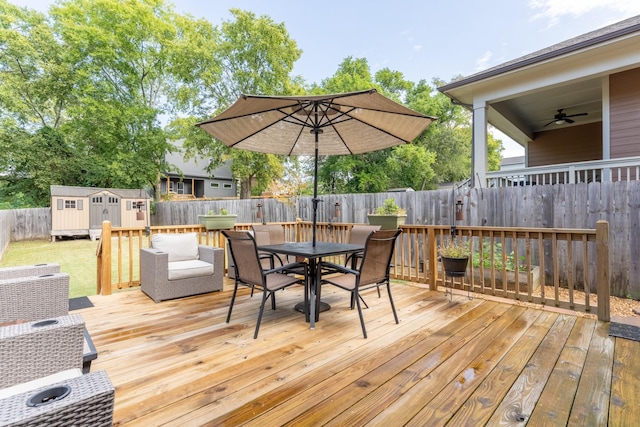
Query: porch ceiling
(524, 94)
(531, 112)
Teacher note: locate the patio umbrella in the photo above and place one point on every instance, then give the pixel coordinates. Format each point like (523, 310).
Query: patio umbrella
(316, 125)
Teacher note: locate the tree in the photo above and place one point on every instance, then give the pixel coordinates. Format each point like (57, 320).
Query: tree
(257, 56)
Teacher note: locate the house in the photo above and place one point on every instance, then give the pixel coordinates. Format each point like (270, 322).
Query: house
(80, 211)
(190, 180)
(574, 107)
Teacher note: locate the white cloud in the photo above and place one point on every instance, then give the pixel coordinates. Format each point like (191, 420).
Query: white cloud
(483, 62)
(417, 47)
(553, 10)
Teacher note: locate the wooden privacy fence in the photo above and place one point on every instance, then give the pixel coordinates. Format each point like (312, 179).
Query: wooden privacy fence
(564, 268)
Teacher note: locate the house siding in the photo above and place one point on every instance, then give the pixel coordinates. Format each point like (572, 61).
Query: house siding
(566, 145)
(624, 101)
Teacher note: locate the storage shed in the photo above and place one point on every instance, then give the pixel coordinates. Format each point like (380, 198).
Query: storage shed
(80, 211)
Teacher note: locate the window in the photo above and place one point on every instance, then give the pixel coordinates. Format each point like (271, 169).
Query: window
(214, 184)
(228, 186)
(69, 204)
(138, 205)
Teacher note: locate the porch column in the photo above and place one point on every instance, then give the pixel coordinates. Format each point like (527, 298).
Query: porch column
(479, 145)
(606, 128)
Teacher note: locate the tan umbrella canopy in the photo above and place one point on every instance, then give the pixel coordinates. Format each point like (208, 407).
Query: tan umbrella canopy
(318, 125)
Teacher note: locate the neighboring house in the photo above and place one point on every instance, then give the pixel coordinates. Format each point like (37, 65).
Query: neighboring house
(574, 107)
(80, 211)
(512, 163)
(193, 181)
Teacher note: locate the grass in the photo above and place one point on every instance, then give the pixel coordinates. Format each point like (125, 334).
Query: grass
(76, 257)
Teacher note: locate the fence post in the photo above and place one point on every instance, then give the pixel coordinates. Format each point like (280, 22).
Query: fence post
(602, 266)
(432, 253)
(104, 279)
(298, 230)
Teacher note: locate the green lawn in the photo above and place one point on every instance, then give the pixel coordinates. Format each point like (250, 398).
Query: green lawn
(76, 257)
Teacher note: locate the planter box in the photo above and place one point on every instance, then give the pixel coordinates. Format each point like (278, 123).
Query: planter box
(511, 279)
(387, 222)
(217, 222)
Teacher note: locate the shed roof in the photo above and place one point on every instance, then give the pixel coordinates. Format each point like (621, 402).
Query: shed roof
(73, 191)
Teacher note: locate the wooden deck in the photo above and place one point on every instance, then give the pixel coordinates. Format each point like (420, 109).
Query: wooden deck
(467, 362)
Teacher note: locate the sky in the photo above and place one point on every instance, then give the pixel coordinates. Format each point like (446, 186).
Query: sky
(423, 39)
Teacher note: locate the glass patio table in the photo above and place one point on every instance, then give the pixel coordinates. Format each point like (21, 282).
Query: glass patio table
(314, 254)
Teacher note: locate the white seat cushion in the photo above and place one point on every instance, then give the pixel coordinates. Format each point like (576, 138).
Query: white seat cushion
(180, 247)
(187, 269)
(40, 382)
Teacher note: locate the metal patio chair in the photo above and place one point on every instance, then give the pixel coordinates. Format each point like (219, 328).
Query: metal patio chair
(372, 271)
(250, 272)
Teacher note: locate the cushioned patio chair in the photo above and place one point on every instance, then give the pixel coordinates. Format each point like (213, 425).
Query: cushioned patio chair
(176, 266)
(372, 271)
(250, 272)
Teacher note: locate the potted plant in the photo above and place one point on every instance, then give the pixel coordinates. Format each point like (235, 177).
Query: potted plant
(454, 255)
(389, 216)
(222, 221)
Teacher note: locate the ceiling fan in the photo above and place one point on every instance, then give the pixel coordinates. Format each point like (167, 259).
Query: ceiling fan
(562, 118)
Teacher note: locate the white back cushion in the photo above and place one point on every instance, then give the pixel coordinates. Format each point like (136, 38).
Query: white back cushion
(180, 247)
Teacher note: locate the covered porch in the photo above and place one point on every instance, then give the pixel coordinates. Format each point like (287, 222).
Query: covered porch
(461, 362)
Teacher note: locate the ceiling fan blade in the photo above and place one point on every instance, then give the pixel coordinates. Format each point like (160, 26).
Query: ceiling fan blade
(576, 115)
(568, 120)
(552, 121)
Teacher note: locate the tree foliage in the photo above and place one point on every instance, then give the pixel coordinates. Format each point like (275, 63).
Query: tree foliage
(85, 92)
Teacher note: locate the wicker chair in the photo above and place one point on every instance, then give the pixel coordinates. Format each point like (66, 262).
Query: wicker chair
(28, 270)
(31, 298)
(89, 402)
(36, 349)
(176, 266)
(34, 297)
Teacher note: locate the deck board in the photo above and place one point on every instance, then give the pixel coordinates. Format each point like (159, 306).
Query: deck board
(465, 362)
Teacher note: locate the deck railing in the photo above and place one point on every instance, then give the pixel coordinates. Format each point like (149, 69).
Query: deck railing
(563, 268)
(623, 169)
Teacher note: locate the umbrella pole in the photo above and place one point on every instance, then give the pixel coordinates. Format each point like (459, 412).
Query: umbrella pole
(315, 192)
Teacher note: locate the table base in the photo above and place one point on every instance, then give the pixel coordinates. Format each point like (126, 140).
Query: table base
(323, 307)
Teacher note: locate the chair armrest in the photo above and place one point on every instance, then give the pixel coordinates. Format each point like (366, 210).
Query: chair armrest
(153, 263)
(214, 256)
(296, 267)
(37, 349)
(336, 268)
(28, 270)
(34, 297)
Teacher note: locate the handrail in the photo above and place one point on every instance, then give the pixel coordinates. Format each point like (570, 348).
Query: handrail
(565, 259)
(621, 169)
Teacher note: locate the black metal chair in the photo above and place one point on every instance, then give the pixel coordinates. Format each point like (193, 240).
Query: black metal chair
(251, 272)
(371, 272)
